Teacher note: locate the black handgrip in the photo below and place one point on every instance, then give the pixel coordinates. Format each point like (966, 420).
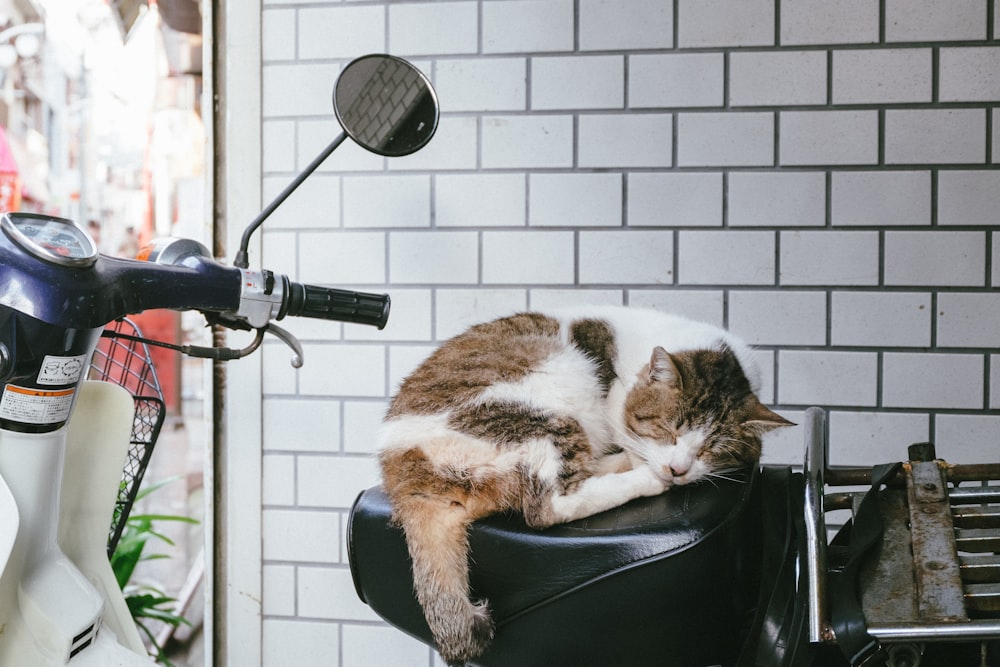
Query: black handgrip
(327, 303)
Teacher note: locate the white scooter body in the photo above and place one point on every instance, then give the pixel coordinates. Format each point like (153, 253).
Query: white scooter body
(59, 601)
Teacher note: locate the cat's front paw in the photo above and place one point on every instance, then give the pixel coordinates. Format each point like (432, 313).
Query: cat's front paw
(610, 464)
(653, 482)
(666, 479)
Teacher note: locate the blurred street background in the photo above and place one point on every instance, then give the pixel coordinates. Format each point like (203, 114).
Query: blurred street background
(100, 122)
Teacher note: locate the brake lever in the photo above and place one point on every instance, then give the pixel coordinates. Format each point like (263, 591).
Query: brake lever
(289, 340)
(240, 324)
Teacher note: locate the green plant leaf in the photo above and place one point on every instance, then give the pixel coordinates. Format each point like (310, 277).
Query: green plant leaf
(155, 557)
(127, 556)
(146, 601)
(154, 486)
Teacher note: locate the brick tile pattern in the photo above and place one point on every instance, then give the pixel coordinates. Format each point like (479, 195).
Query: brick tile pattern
(818, 175)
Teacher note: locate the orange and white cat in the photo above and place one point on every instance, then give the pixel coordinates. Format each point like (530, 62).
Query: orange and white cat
(556, 416)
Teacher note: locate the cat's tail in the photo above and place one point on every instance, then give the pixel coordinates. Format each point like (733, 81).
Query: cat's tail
(437, 539)
(436, 528)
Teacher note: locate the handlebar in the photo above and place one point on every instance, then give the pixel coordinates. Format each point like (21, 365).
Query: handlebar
(266, 296)
(176, 274)
(327, 303)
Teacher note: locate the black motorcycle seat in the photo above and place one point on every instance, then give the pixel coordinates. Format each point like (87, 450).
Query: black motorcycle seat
(673, 565)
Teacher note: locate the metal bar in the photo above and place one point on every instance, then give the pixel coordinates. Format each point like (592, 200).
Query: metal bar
(936, 632)
(888, 588)
(939, 585)
(982, 516)
(853, 476)
(983, 597)
(815, 521)
(838, 501)
(849, 476)
(242, 259)
(975, 494)
(980, 569)
(977, 540)
(983, 472)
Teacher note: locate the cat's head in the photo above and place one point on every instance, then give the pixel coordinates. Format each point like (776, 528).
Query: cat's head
(692, 415)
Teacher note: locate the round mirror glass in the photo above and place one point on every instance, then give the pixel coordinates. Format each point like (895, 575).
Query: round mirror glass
(386, 105)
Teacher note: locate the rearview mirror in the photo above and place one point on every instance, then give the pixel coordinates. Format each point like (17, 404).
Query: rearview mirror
(386, 105)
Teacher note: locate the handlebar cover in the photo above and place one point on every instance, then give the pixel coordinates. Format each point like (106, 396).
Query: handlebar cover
(85, 298)
(327, 303)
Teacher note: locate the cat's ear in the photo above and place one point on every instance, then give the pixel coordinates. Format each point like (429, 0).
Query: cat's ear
(762, 419)
(662, 367)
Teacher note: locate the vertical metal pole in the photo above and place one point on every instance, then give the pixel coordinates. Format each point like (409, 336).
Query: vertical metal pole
(815, 522)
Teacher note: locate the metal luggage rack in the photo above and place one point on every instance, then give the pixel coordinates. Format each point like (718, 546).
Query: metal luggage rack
(935, 577)
(127, 363)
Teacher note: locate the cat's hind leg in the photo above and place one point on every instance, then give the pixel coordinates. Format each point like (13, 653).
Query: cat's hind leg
(435, 511)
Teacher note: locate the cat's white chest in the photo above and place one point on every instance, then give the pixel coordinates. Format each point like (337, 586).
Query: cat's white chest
(564, 384)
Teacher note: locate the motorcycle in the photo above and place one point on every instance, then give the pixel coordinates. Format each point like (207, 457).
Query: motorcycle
(63, 438)
(736, 572)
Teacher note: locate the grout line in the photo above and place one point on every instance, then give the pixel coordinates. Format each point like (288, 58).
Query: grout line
(881, 22)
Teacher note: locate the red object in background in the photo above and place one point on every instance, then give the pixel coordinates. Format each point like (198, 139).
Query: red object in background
(10, 179)
(164, 325)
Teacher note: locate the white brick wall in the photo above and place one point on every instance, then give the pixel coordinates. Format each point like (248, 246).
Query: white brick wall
(726, 258)
(839, 137)
(941, 258)
(882, 198)
(625, 24)
(881, 319)
(829, 258)
(577, 82)
(929, 20)
(676, 80)
(955, 136)
(725, 139)
(674, 199)
(829, 22)
(759, 78)
(777, 199)
(882, 76)
(818, 175)
(724, 23)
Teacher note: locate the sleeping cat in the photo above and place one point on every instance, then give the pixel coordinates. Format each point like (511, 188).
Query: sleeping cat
(557, 417)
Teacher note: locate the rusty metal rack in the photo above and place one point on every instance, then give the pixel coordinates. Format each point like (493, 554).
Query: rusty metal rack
(127, 362)
(935, 576)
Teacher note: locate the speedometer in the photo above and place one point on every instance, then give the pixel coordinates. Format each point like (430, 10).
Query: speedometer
(56, 240)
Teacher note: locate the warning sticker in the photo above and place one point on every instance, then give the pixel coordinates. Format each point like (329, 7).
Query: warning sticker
(61, 370)
(36, 406)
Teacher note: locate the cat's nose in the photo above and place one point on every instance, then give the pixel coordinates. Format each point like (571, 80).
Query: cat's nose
(679, 469)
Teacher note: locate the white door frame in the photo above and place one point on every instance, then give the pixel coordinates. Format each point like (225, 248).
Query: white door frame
(236, 598)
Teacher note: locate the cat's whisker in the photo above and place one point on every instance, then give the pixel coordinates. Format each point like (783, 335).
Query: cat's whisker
(728, 475)
(729, 446)
(708, 478)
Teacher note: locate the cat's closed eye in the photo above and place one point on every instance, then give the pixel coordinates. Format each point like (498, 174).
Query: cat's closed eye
(656, 427)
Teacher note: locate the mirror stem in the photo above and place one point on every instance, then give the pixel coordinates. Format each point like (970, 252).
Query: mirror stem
(242, 260)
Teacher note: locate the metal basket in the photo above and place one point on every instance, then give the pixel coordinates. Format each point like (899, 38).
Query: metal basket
(128, 363)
